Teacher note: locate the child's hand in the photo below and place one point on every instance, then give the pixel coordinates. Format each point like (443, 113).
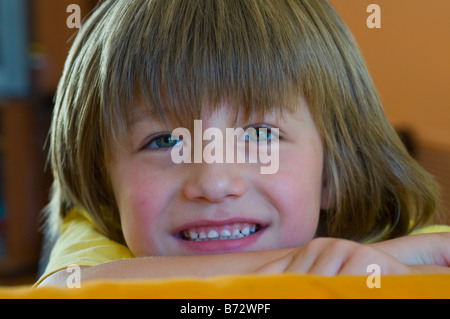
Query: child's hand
(425, 249)
(329, 256)
(428, 253)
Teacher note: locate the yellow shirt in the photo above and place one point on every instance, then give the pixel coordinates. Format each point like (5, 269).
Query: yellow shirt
(80, 243)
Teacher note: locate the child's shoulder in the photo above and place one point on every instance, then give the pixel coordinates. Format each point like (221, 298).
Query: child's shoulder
(81, 243)
(431, 229)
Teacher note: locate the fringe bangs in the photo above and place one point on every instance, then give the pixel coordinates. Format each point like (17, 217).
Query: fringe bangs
(237, 51)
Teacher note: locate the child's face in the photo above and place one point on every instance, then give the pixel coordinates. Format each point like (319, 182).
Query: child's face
(166, 208)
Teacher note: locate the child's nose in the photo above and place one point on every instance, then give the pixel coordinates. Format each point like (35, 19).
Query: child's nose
(215, 183)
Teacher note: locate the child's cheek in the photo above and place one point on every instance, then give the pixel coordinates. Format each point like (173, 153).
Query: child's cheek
(142, 219)
(296, 191)
(298, 209)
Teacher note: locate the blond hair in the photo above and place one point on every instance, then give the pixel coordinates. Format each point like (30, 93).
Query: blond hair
(261, 55)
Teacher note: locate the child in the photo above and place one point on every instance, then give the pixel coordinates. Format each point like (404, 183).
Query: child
(344, 188)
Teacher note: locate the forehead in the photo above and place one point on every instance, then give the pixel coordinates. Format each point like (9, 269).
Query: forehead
(234, 114)
(145, 121)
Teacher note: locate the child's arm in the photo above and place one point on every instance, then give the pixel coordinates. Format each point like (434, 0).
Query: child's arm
(166, 267)
(428, 253)
(423, 249)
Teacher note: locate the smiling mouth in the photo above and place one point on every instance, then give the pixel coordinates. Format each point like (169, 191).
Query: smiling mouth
(227, 232)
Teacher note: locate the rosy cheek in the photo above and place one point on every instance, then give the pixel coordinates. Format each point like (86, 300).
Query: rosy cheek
(141, 212)
(299, 222)
(296, 195)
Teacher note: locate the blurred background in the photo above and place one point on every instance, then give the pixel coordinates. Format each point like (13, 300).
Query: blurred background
(408, 57)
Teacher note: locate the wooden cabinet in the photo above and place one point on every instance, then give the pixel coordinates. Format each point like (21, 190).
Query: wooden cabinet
(24, 188)
(24, 123)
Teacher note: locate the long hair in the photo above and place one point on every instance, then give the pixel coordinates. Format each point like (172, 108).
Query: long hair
(180, 56)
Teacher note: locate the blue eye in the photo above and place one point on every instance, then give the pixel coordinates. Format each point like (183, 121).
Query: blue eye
(258, 134)
(162, 142)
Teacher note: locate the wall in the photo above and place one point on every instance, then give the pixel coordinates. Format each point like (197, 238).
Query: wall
(409, 59)
(52, 38)
(24, 123)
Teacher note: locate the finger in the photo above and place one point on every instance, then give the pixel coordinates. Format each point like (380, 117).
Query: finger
(364, 256)
(344, 257)
(322, 256)
(423, 249)
(332, 258)
(276, 266)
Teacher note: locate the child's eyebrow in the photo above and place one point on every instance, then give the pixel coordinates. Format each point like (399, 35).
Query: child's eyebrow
(143, 116)
(137, 116)
(140, 114)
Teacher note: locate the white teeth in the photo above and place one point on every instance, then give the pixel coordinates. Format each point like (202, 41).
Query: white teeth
(213, 234)
(193, 235)
(226, 233)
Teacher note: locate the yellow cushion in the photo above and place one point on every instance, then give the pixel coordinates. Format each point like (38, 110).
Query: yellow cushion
(285, 286)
